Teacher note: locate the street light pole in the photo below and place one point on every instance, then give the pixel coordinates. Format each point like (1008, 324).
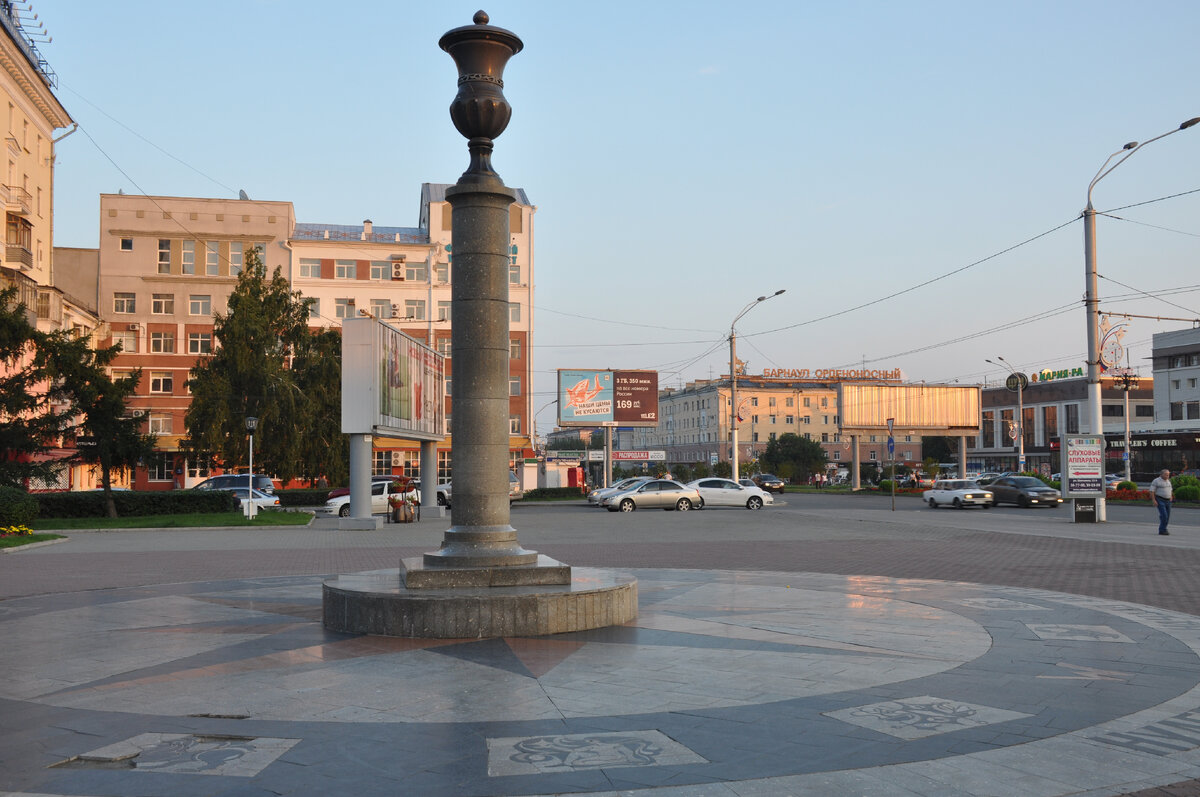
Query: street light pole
(1020, 412)
(1127, 380)
(1091, 301)
(733, 412)
(251, 425)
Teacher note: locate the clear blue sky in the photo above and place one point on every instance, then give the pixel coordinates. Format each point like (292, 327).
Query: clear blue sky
(688, 157)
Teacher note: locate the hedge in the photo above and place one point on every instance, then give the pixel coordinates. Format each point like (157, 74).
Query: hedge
(130, 503)
(549, 493)
(17, 507)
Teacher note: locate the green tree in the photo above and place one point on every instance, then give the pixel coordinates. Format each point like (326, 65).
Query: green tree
(723, 469)
(28, 424)
(806, 456)
(249, 375)
(105, 435)
(323, 449)
(940, 449)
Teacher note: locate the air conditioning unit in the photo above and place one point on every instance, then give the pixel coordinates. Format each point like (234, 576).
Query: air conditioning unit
(397, 257)
(398, 270)
(132, 327)
(139, 413)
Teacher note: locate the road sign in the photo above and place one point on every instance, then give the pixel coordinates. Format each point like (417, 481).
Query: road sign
(1016, 382)
(891, 447)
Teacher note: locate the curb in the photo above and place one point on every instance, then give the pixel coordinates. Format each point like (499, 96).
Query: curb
(33, 545)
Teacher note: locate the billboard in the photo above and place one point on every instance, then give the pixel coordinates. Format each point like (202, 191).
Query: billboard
(391, 384)
(607, 398)
(948, 409)
(1083, 467)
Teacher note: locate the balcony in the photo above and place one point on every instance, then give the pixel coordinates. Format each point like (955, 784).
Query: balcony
(15, 253)
(16, 199)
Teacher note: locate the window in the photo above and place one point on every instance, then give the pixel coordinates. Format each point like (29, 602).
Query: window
(188, 257)
(212, 258)
(442, 270)
(443, 347)
(771, 419)
(1174, 384)
(754, 401)
(162, 342)
(770, 401)
(791, 401)
(381, 463)
(126, 244)
(310, 268)
(789, 419)
(235, 258)
(381, 270)
(806, 419)
(907, 455)
(514, 313)
(261, 250)
(343, 308)
(1192, 383)
(514, 275)
(164, 256)
(158, 468)
(415, 272)
(1112, 410)
(444, 461)
(162, 382)
(1072, 420)
(1144, 411)
(161, 424)
(806, 401)
(873, 455)
(200, 304)
(908, 438)
(381, 308)
(443, 311)
(514, 349)
(514, 386)
(199, 343)
(414, 309)
(124, 303)
(1177, 410)
(753, 419)
(314, 308)
(837, 455)
(514, 424)
(872, 439)
(163, 304)
(345, 269)
(1193, 410)
(128, 340)
(824, 401)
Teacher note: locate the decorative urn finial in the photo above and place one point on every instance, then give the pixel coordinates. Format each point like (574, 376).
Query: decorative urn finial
(479, 110)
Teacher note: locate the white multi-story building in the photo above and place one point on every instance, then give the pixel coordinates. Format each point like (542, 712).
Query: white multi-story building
(1176, 357)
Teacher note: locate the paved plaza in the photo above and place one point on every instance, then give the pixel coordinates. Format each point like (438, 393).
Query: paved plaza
(827, 646)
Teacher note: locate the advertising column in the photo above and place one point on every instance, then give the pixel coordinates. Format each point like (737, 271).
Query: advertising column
(1083, 475)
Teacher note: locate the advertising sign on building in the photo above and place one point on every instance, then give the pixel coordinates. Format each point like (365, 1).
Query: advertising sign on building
(1083, 467)
(607, 398)
(391, 384)
(639, 456)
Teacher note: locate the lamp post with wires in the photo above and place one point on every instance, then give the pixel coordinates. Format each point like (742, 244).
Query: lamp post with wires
(1016, 381)
(733, 409)
(1091, 302)
(1126, 380)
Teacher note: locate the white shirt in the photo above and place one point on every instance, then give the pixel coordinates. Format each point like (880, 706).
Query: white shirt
(1161, 487)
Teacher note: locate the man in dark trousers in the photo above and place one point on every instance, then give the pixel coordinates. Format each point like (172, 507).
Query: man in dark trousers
(1161, 487)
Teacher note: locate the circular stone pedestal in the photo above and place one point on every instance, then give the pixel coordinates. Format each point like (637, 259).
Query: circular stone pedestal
(378, 603)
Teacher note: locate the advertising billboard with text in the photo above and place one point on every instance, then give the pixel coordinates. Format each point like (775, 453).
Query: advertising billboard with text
(391, 384)
(607, 398)
(948, 409)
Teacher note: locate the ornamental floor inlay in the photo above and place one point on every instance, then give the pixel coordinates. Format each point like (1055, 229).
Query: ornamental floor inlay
(536, 755)
(185, 753)
(918, 717)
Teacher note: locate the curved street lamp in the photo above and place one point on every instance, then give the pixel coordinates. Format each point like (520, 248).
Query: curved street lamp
(1020, 379)
(1091, 302)
(251, 425)
(1126, 381)
(733, 413)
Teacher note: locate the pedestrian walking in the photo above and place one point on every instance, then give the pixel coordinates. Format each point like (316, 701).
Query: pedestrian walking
(1161, 487)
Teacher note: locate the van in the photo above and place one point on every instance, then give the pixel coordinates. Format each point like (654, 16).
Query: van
(230, 481)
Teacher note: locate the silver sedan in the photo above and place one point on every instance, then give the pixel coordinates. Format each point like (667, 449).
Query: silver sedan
(660, 493)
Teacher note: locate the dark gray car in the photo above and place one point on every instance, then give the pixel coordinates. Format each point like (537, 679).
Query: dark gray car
(1023, 491)
(230, 481)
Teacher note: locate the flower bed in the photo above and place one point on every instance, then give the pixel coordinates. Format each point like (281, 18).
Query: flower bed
(19, 530)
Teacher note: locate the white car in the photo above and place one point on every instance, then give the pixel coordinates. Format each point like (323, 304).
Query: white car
(260, 500)
(380, 493)
(957, 493)
(726, 492)
(596, 496)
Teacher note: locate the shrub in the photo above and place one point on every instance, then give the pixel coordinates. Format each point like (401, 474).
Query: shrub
(547, 493)
(1184, 480)
(1126, 486)
(1188, 492)
(17, 507)
(130, 503)
(885, 485)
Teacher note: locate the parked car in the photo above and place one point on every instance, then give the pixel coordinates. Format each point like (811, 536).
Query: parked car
(746, 481)
(229, 481)
(916, 480)
(987, 478)
(260, 499)
(595, 496)
(515, 493)
(726, 492)
(658, 493)
(957, 493)
(381, 491)
(769, 482)
(1024, 491)
(339, 491)
(1111, 480)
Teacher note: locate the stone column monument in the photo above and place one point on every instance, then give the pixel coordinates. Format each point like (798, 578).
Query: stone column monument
(481, 582)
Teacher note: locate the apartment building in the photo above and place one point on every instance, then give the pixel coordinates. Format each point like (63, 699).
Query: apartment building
(694, 422)
(167, 264)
